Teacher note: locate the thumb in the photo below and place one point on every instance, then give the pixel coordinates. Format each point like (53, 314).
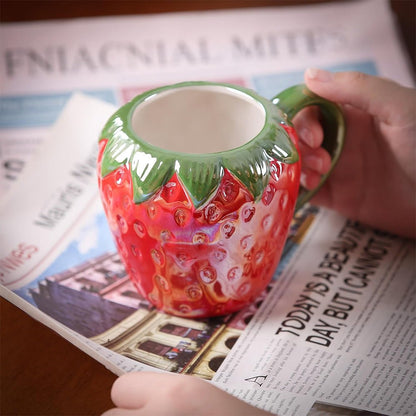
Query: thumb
(379, 97)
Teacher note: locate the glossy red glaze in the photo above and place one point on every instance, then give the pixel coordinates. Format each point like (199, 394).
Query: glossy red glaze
(201, 262)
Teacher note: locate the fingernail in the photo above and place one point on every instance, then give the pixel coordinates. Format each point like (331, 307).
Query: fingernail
(318, 74)
(306, 136)
(314, 162)
(303, 179)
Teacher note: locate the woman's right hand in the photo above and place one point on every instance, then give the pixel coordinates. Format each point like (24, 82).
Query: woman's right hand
(374, 181)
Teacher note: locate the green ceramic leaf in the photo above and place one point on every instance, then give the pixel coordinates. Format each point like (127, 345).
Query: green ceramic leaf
(279, 147)
(251, 167)
(201, 178)
(148, 173)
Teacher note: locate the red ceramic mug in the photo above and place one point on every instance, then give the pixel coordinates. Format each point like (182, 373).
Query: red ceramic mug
(199, 182)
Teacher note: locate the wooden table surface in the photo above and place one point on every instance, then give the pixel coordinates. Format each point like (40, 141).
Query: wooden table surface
(42, 373)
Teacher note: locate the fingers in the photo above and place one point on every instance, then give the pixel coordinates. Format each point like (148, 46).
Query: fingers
(315, 160)
(374, 95)
(133, 390)
(150, 394)
(308, 127)
(121, 412)
(315, 163)
(309, 179)
(127, 390)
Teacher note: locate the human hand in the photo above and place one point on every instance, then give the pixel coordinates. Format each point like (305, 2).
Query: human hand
(167, 394)
(375, 179)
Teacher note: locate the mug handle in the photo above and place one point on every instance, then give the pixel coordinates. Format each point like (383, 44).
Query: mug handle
(294, 99)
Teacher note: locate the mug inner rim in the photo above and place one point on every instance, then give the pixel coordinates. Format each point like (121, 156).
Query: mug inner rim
(198, 118)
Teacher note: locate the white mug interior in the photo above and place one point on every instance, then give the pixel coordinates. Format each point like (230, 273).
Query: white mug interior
(198, 119)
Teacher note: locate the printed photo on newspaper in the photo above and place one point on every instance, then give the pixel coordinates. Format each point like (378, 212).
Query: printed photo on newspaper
(335, 329)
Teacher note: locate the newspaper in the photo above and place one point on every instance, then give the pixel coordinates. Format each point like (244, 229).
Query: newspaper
(335, 327)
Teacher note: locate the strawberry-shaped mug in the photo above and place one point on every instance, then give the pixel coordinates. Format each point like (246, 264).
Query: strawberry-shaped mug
(199, 182)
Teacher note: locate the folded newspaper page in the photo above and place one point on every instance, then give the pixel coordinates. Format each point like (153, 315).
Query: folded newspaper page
(335, 329)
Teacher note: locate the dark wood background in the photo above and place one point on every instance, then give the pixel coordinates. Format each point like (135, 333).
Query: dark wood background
(42, 373)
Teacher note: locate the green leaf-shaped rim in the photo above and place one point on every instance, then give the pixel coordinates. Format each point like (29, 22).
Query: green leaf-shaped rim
(151, 167)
